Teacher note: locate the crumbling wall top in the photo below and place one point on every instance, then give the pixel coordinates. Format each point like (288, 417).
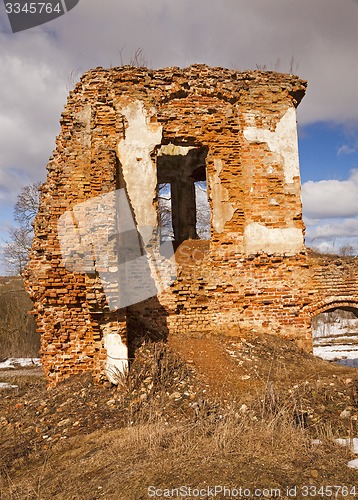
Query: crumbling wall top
(225, 84)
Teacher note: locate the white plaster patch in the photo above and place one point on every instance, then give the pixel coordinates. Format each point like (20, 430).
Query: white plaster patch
(117, 356)
(173, 150)
(258, 238)
(283, 141)
(141, 137)
(222, 210)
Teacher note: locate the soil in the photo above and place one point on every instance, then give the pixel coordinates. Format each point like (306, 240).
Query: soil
(189, 379)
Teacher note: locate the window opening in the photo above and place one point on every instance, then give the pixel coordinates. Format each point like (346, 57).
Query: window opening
(202, 210)
(183, 206)
(165, 212)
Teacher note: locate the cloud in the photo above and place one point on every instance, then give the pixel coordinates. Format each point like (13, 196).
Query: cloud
(331, 198)
(321, 36)
(31, 99)
(334, 245)
(350, 145)
(346, 150)
(330, 211)
(338, 228)
(329, 236)
(35, 66)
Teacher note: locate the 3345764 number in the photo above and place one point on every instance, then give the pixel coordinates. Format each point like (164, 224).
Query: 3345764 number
(33, 8)
(329, 491)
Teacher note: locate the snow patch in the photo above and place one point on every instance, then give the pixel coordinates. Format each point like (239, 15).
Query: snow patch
(343, 354)
(353, 464)
(5, 385)
(352, 443)
(13, 363)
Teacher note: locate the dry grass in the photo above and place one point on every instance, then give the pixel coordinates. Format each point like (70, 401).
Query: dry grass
(210, 440)
(18, 337)
(155, 363)
(230, 447)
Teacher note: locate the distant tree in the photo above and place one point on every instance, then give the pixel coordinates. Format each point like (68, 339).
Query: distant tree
(17, 248)
(202, 213)
(346, 250)
(27, 205)
(203, 210)
(165, 211)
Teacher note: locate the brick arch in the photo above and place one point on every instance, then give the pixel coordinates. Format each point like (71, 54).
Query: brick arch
(332, 303)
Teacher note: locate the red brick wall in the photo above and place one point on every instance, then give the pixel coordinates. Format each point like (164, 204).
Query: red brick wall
(220, 289)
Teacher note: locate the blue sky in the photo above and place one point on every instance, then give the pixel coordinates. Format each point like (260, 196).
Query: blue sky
(329, 176)
(39, 66)
(327, 150)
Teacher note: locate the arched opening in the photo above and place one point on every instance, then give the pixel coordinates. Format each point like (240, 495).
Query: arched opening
(335, 334)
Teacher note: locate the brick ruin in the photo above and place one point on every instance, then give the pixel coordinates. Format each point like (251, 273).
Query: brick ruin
(132, 130)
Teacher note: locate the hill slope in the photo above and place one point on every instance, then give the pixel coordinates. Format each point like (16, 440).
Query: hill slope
(198, 412)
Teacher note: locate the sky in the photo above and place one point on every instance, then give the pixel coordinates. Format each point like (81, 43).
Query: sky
(317, 39)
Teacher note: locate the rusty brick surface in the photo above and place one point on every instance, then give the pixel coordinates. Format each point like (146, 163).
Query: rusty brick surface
(222, 286)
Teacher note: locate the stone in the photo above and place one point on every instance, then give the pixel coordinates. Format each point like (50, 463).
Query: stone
(175, 395)
(243, 408)
(345, 414)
